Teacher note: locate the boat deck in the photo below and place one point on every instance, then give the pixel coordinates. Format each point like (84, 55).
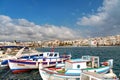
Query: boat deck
(93, 76)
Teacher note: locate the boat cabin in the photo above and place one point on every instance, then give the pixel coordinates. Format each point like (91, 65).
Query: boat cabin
(49, 54)
(46, 56)
(84, 62)
(93, 61)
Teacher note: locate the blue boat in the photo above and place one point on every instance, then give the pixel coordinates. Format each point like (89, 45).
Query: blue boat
(5, 57)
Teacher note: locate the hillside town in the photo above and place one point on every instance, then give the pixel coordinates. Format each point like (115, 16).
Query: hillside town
(97, 41)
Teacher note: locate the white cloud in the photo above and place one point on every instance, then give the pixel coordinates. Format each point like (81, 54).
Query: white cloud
(106, 21)
(22, 29)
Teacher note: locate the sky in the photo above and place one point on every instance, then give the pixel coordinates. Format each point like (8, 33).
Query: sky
(31, 20)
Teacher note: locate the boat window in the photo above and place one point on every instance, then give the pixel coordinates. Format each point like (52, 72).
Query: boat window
(78, 66)
(51, 54)
(44, 59)
(41, 54)
(96, 59)
(77, 78)
(89, 64)
(55, 55)
(35, 59)
(85, 58)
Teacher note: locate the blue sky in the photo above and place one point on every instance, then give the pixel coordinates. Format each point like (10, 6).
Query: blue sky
(62, 19)
(57, 12)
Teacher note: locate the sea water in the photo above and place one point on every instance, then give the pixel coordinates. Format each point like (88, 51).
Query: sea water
(104, 53)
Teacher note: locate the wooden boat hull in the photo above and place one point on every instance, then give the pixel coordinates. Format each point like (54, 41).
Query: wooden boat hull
(20, 71)
(53, 75)
(19, 65)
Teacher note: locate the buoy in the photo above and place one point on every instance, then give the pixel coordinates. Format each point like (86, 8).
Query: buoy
(105, 63)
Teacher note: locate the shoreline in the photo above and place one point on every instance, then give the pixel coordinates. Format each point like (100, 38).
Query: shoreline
(74, 46)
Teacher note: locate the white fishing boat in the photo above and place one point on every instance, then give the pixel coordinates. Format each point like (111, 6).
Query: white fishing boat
(4, 58)
(22, 53)
(74, 67)
(47, 59)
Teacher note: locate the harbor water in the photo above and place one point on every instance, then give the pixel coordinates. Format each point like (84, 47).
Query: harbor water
(104, 53)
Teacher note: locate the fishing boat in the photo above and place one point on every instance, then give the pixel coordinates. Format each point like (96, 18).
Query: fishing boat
(4, 58)
(74, 67)
(22, 53)
(47, 59)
